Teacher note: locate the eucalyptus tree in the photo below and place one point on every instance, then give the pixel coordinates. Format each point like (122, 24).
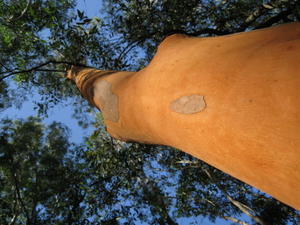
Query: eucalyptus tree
(122, 184)
(39, 40)
(47, 180)
(144, 24)
(136, 183)
(41, 180)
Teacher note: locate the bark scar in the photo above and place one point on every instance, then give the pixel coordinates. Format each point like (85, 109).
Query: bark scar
(108, 100)
(188, 104)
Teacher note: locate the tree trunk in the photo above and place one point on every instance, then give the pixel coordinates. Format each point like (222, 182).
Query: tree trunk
(232, 101)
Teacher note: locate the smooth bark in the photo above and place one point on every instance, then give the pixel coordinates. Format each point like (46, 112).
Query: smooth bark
(236, 97)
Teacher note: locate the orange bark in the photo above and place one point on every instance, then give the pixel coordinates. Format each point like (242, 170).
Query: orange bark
(247, 90)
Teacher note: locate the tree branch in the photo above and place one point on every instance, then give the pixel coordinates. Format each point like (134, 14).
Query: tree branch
(245, 209)
(250, 20)
(4, 66)
(234, 220)
(127, 49)
(37, 68)
(13, 219)
(50, 70)
(254, 16)
(19, 196)
(16, 213)
(280, 16)
(210, 31)
(22, 13)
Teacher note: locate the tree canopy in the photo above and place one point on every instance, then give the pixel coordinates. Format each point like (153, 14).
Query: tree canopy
(40, 178)
(46, 179)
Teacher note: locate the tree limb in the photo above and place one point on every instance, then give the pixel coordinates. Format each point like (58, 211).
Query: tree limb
(50, 70)
(22, 13)
(254, 16)
(13, 220)
(127, 49)
(234, 220)
(37, 68)
(245, 209)
(280, 16)
(19, 196)
(210, 31)
(186, 162)
(4, 66)
(16, 213)
(250, 20)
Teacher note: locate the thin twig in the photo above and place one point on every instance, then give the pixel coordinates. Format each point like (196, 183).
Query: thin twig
(4, 66)
(127, 49)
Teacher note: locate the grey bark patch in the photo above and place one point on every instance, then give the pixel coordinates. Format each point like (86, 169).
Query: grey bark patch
(188, 104)
(108, 100)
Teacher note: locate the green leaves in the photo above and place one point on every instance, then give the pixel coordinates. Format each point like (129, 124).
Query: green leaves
(104, 180)
(80, 14)
(43, 175)
(25, 42)
(7, 37)
(40, 178)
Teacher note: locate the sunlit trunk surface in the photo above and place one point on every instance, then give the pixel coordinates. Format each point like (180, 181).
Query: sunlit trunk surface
(232, 101)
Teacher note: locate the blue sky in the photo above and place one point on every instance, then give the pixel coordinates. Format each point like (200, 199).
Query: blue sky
(62, 113)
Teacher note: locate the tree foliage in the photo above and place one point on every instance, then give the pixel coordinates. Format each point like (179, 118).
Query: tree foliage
(40, 39)
(47, 180)
(132, 181)
(40, 178)
(146, 23)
